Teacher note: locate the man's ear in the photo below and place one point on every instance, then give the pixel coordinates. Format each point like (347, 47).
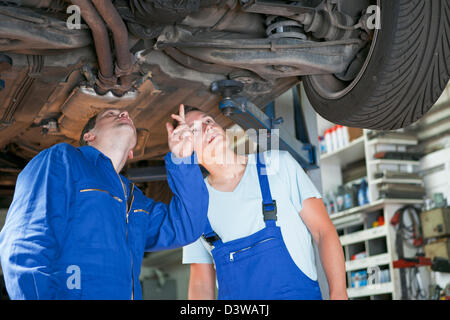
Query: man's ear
(130, 154)
(89, 136)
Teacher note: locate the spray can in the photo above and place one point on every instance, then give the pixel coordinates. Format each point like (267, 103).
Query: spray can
(334, 141)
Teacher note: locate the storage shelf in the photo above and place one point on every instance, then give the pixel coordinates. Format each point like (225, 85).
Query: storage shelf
(394, 161)
(352, 152)
(353, 224)
(370, 290)
(392, 180)
(365, 263)
(373, 206)
(363, 235)
(348, 220)
(400, 141)
(365, 208)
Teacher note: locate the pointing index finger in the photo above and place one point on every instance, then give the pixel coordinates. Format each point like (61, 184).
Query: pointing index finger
(182, 111)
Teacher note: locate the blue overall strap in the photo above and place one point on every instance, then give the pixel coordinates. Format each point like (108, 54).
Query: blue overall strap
(209, 235)
(269, 206)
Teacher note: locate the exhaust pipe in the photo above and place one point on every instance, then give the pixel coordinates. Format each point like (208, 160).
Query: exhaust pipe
(111, 77)
(125, 59)
(106, 79)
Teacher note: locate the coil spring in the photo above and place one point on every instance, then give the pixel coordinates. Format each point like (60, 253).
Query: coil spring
(279, 27)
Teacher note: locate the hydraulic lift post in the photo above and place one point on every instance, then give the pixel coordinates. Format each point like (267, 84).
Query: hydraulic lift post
(248, 116)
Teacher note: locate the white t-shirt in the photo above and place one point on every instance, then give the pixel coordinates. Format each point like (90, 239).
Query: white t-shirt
(238, 214)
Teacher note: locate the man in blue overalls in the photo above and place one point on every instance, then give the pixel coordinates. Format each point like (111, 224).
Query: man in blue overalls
(77, 229)
(263, 210)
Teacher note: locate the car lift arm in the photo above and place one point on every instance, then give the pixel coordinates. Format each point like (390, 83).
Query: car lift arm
(248, 116)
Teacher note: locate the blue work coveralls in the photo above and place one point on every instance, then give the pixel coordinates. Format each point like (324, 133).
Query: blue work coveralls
(78, 230)
(259, 266)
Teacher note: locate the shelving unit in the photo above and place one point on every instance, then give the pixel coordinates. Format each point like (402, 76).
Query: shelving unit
(394, 161)
(387, 180)
(355, 226)
(392, 141)
(371, 290)
(344, 156)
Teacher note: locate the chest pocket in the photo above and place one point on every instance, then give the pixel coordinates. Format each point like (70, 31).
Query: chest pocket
(101, 190)
(137, 219)
(138, 227)
(98, 216)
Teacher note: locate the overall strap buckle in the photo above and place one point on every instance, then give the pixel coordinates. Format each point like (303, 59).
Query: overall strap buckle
(270, 210)
(211, 239)
(210, 235)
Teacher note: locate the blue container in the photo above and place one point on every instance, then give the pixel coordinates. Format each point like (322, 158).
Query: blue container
(358, 278)
(363, 193)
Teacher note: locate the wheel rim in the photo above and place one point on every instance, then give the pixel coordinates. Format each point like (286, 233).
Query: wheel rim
(330, 87)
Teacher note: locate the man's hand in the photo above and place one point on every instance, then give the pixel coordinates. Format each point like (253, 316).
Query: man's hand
(181, 139)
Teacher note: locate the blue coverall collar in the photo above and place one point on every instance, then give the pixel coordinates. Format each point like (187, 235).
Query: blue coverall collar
(92, 154)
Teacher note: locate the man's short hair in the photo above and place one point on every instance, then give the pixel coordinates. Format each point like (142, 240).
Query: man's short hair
(88, 127)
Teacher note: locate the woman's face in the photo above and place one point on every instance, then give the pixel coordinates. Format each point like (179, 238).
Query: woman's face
(209, 137)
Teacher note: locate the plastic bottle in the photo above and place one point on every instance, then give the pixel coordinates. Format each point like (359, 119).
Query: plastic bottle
(334, 138)
(363, 193)
(381, 220)
(340, 136)
(332, 202)
(366, 192)
(328, 143)
(348, 199)
(340, 201)
(322, 145)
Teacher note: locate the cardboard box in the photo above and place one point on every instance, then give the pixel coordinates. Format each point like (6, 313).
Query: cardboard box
(435, 223)
(440, 248)
(354, 133)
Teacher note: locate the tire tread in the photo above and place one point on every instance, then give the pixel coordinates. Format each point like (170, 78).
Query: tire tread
(409, 67)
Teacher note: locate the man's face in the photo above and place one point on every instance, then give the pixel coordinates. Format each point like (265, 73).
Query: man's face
(114, 123)
(209, 137)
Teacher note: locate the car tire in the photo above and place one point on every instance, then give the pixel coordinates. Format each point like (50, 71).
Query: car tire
(405, 73)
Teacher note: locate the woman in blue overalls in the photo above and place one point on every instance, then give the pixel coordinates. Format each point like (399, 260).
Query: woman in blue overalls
(259, 233)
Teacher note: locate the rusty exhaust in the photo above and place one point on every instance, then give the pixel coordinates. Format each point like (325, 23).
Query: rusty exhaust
(125, 59)
(106, 79)
(109, 73)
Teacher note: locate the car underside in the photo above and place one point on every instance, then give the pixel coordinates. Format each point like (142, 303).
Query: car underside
(377, 64)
